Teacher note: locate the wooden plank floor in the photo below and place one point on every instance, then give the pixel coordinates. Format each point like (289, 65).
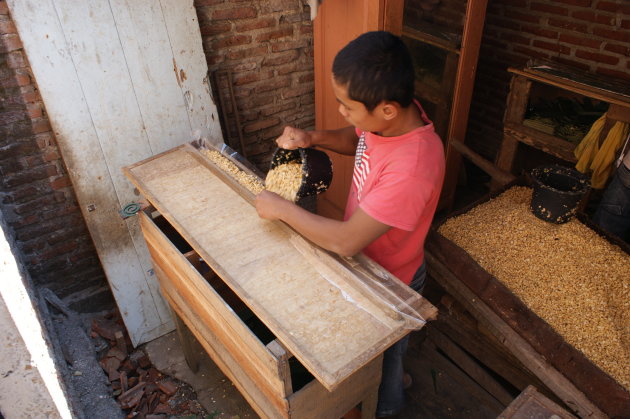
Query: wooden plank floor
(440, 389)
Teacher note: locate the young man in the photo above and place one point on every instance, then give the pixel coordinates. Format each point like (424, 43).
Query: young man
(398, 174)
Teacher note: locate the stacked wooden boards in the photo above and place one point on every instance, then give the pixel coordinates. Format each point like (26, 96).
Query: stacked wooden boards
(323, 317)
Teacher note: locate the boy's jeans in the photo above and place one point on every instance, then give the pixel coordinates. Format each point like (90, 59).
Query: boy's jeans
(391, 394)
(613, 212)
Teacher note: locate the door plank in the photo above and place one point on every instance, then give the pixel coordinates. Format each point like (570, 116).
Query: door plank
(191, 69)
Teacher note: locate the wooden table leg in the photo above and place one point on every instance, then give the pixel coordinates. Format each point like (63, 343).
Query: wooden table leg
(187, 340)
(368, 405)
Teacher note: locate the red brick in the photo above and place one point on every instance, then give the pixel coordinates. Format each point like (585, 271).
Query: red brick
(548, 8)
(203, 3)
(260, 125)
(597, 57)
(536, 30)
(306, 30)
(531, 53)
(51, 156)
(213, 60)
(265, 22)
(515, 39)
(245, 67)
(568, 24)
(34, 110)
(589, 16)
(284, 106)
(245, 53)
(10, 117)
(7, 26)
(279, 33)
(306, 78)
(246, 79)
(44, 140)
(235, 13)
(35, 205)
(60, 249)
(625, 24)
(216, 28)
(283, 6)
(273, 84)
(279, 59)
(40, 125)
(231, 41)
(62, 182)
(613, 7)
(572, 63)
(262, 100)
(33, 161)
(16, 59)
(306, 88)
(4, 9)
(10, 42)
(283, 46)
(623, 36)
(562, 49)
(580, 3)
(521, 17)
(582, 41)
(618, 49)
(622, 75)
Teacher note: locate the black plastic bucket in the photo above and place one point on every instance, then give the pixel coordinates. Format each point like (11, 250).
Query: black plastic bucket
(557, 192)
(316, 168)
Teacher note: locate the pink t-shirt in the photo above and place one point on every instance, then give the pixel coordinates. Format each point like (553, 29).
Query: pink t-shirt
(397, 181)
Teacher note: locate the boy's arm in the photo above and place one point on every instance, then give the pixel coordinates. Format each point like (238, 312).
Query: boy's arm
(345, 238)
(342, 141)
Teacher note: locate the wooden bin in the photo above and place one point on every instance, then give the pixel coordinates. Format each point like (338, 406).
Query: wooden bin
(261, 372)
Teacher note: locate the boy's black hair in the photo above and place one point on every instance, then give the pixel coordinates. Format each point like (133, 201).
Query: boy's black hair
(375, 67)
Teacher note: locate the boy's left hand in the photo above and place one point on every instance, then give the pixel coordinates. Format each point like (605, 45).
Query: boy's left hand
(269, 204)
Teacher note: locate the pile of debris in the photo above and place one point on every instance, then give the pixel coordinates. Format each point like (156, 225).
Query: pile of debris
(140, 389)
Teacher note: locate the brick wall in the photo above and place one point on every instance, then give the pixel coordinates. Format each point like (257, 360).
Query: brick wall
(589, 35)
(36, 196)
(268, 47)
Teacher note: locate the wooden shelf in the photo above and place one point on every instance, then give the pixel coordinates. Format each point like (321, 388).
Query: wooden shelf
(434, 35)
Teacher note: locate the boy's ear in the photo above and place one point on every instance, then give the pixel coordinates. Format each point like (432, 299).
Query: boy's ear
(389, 110)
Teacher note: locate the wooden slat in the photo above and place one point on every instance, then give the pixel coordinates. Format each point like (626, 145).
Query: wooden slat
(574, 86)
(209, 306)
(224, 359)
(315, 402)
(470, 366)
(462, 94)
(541, 141)
(497, 174)
(531, 404)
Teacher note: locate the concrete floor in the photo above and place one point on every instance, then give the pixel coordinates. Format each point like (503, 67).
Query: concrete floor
(215, 391)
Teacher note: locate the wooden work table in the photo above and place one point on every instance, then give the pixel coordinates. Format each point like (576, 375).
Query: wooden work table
(216, 260)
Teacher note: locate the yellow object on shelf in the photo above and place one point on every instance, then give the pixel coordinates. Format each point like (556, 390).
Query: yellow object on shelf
(599, 160)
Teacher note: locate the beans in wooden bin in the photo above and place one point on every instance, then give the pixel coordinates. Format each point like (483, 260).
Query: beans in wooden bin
(574, 279)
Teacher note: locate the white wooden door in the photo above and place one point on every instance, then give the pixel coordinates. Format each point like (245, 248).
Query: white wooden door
(121, 80)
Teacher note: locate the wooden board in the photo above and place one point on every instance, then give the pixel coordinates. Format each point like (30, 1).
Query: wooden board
(531, 404)
(105, 70)
(332, 329)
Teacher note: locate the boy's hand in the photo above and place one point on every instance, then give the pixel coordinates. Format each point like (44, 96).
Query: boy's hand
(269, 205)
(293, 138)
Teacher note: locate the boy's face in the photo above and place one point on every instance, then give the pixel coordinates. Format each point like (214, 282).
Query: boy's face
(355, 112)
